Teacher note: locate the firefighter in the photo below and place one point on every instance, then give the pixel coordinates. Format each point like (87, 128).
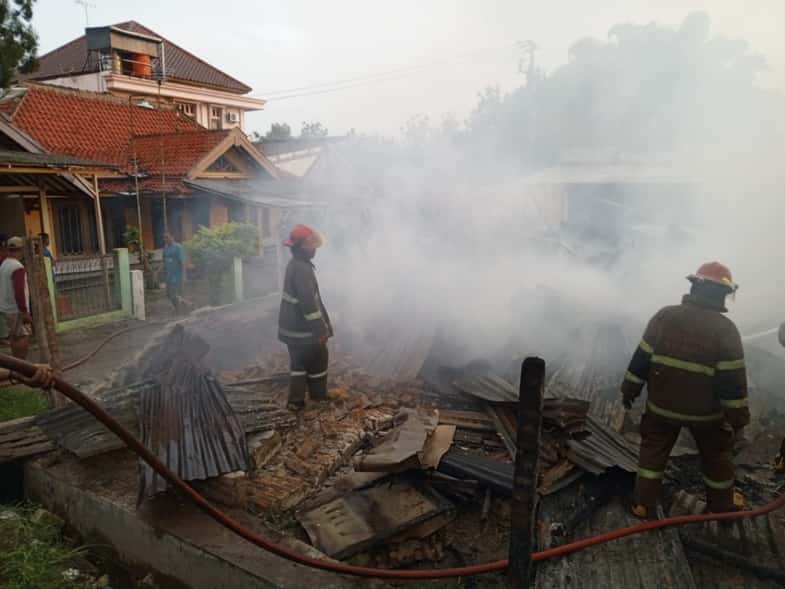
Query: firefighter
(692, 361)
(303, 323)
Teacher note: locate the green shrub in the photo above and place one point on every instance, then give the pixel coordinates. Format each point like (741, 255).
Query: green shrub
(213, 249)
(216, 247)
(21, 401)
(33, 554)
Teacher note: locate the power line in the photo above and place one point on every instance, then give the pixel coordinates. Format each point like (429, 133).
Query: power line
(373, 78)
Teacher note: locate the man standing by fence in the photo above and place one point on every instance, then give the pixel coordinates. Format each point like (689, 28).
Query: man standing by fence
(174, 262)
(14, 299)
(45, 251)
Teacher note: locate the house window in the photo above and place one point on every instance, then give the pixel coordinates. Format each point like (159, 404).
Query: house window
(216, 117)
(187, 108)
(76, 234)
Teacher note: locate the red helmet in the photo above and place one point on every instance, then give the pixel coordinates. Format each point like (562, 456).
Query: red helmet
(714, 272)
(304, 236)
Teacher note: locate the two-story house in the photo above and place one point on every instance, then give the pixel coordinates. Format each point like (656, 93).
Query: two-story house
(129, 60)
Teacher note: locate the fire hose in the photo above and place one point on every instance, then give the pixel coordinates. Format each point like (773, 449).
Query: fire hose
(107, 339)
(265, 543)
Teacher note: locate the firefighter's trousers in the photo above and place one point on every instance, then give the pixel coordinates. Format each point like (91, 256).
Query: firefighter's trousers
(308, 365)
(715, 443)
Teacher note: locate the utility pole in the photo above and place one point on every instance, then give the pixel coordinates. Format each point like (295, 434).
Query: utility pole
(526, 67)
(87, 6)
(528, 49)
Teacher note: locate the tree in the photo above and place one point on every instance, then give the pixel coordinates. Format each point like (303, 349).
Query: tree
(645, 89)
(18, 41)
(279, 131)
(311, 130)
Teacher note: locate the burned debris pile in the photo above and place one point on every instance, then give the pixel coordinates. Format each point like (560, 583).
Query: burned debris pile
(414, 473)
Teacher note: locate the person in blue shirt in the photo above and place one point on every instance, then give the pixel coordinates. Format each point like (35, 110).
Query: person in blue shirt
(174, 262)
(47, 253)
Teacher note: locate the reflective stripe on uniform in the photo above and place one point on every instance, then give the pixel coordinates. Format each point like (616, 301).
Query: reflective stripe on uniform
(295, 334)
(314, 315)
(646, 347)
(683, 365)
(718, 485)
(297, 373)
(652, 475)
(735, 403)
(632, 378)
(681, 416)
(730, 364)
(320, 375)
(289, 298)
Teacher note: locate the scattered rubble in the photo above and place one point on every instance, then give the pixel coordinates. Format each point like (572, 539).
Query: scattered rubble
(402, 473)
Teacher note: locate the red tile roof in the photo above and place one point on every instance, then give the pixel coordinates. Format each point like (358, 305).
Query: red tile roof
(90, 125)
(150, 184)
(181, 65)
(174, 154)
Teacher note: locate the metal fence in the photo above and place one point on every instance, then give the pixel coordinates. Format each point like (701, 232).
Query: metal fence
(85, 286)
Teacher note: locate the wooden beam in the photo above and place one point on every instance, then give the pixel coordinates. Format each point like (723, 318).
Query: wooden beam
(524, 492)
(99, 218)
(51, 171)
(46, 226)
(18, 189)
(259, 231)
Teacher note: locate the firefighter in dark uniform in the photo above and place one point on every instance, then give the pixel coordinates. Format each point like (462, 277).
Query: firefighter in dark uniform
(303, 323)
(692, 361)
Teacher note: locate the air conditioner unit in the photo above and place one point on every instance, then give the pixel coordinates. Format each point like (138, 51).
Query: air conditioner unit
(232, 117)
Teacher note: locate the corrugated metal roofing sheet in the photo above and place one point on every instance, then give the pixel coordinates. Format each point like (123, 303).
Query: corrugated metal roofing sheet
(75, 430)
(191, 427)
(654, 560)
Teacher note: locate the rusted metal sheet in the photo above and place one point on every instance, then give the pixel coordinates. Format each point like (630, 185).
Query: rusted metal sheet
(586, 441)
(654, 560)
(257, 411)
(75, 430)
(602, 449)
(467, 420)
(488, 387)
(351, 524)
(594, 367)
(189, 424)
(490, 473)
(21, 438)
(740, 554)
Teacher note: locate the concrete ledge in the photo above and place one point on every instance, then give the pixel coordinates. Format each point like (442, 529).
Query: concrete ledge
(171, 537)
(92, 321)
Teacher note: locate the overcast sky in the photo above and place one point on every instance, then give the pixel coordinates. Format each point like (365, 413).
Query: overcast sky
(466, 44)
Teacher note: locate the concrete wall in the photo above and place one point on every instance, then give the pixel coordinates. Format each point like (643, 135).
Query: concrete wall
(100, 521)
(219, 212)
(93, 82)
(96, 497)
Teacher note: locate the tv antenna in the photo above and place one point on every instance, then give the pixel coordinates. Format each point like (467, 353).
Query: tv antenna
(87, 5)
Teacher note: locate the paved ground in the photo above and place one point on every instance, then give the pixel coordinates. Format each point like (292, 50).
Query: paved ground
(76, 344)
